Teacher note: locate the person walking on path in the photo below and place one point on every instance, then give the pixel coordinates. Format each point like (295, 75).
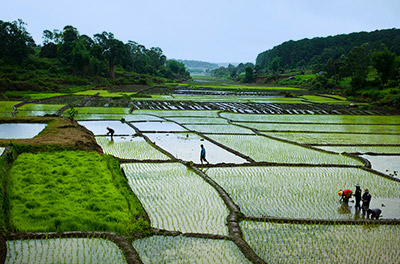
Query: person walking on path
(203, 155)
(345, 195)
(110, 132)
(366, 199)
(357, 195)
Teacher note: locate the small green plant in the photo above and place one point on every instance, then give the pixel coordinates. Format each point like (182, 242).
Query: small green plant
(72, 113)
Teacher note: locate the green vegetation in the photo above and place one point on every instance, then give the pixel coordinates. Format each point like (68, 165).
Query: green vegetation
(67, 250)
(164, 249)
(296, 243)
(176, 198)
(71, 190)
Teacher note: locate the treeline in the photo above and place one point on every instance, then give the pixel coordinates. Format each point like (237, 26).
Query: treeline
(241, 73)
(307, 53)
(69, 53)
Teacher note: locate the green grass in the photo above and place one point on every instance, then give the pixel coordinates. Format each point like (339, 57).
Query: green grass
(69, 191)
(7, 106)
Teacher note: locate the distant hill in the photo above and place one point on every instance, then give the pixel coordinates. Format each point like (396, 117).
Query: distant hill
(308, 52)
(199, 64)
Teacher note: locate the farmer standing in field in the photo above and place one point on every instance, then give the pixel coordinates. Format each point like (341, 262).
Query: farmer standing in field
(366, 199)
(358, 197)
(345, 195)
(203, 155)
(110, 132)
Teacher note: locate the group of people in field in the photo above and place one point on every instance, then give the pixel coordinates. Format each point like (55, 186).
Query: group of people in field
(365, 198)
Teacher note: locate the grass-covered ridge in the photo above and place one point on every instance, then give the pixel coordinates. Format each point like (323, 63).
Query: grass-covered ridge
(69, 191)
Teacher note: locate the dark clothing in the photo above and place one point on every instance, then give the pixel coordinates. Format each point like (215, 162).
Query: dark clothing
(375, 213)
(110, 131)
(358, 197)
(366, 199)
(203, 155)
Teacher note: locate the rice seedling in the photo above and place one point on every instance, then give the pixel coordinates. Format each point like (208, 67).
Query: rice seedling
(164, 249)
(325, 100)
(66, 250)
(186, 146)
(198, 120)
(178, 113)
(20, 130)
(304, 192)
(177, 199)
(316, 119)
(350, 139)
(264, 149)
(296, 243)
(130, 148)
(223, 129)
(362, 149)
(342, 128)
(40, 107)
(103, 110)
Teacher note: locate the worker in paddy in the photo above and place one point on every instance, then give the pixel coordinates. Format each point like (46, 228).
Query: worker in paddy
(375, 213)
(345, 195)
(203, 155)
(357, 195)
(110, 132)
(366, 199)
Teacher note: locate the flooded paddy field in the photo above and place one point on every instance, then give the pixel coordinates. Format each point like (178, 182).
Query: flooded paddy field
(268, 194)
(20, 130)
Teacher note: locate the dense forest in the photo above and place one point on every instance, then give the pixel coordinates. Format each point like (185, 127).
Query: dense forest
(317, 51)
(69, 58)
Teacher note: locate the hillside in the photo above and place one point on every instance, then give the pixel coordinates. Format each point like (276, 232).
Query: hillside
(309, 52)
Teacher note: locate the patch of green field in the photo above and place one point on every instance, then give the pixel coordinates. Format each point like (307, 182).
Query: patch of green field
(7, 106)
(325, 100)
(164, 249)
(316, 119)
(66, 250)
(304, 192)
(33, 95)
(336, 96)
(104, 93)
(246, 87)
(40, 107)
(130, 148)
(102, 110)
(362, 149)
(329, 139)
(219, 129)
(296, 243)
(71, 190)
(176, 198)
(342, 128)
(264, 149)
(199, 120)
(178, 113)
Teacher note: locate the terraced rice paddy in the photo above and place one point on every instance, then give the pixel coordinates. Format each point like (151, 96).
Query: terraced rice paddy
(362, 149)
(296, 243)
(219, 129)
(303, 192)
(66, 250)
(130, 148)
(265, 149)
(343, 139)
(177, 199)
(186, 146)
(100, 127)
(20, 130)
(164, 249)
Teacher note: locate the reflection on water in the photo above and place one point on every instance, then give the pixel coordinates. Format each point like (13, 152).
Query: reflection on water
(20, 130)
(389, 165)
(158, 126)
(186, 146)
(100, 127)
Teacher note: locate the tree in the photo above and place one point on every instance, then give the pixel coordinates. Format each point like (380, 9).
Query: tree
(249, 75)
(15, 42)
(112, 49)
(385, 63)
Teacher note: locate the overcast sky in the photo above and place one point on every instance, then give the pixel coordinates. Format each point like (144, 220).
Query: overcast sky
(207, 30)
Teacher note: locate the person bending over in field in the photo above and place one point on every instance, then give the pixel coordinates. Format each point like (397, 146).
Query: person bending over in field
(345, 195)
(110, 132)
(203, 155)
(375, 213)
